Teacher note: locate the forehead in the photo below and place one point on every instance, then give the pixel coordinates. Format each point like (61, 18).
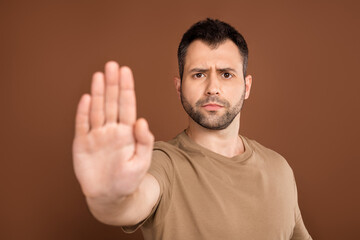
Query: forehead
(200, 54)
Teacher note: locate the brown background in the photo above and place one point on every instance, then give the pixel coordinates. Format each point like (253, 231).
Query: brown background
(304, 58)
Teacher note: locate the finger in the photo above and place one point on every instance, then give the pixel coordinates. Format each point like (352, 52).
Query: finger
(144, 139)
(127, 100)
(97, 100)
(111, 91)
(82, 116)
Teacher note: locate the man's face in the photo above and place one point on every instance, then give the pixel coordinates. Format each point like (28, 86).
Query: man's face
(213, 87)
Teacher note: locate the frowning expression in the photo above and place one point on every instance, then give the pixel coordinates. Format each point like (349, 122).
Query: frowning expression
(213, 87)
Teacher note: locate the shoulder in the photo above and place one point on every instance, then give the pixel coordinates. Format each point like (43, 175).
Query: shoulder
(268, 155)
(164, 148)
(172, 149)
(172, 154)
(261, 148)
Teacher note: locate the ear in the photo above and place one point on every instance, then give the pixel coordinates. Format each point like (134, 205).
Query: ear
(177, 82)
(248, 82)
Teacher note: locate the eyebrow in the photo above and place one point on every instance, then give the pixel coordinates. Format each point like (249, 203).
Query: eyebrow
(202, 70)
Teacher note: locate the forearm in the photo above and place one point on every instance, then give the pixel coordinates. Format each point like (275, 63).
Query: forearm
(127, 210)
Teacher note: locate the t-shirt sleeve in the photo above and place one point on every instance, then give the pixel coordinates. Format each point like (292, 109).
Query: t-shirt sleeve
(300, 232)
(161, 168)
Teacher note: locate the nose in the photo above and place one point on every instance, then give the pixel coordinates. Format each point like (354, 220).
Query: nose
(213, 87)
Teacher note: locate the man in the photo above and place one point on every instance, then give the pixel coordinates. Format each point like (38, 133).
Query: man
(207, 183)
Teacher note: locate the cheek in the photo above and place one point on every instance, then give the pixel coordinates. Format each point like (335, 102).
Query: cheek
(234, 91)
(191, 93)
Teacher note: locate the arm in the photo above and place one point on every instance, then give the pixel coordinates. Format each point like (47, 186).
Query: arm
(129, 210)
(112, 150)
(300, 232)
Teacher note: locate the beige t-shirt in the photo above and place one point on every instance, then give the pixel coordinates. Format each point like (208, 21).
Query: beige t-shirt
(204, 195)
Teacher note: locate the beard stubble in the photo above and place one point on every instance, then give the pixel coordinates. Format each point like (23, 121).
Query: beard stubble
(213, 120)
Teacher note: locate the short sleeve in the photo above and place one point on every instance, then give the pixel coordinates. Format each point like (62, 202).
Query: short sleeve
(300, 232)
(162, 169)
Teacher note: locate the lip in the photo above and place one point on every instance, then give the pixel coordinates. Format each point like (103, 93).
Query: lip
(212, 106)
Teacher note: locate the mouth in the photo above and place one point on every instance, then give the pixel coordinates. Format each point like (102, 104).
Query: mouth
(212, 106)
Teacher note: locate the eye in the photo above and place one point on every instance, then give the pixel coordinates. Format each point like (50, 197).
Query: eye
(227, 75)
(198, 75)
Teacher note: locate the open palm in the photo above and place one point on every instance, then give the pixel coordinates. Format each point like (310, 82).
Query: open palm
(111, 149)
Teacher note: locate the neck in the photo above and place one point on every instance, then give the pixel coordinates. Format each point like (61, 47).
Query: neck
(225, 142)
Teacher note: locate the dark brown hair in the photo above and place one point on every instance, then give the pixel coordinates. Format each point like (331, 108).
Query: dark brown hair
(212, 32)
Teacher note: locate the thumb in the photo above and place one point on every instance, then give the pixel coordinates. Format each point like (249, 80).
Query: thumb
(144, 139)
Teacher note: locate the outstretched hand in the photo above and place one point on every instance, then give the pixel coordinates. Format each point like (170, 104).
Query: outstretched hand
(111, 149)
